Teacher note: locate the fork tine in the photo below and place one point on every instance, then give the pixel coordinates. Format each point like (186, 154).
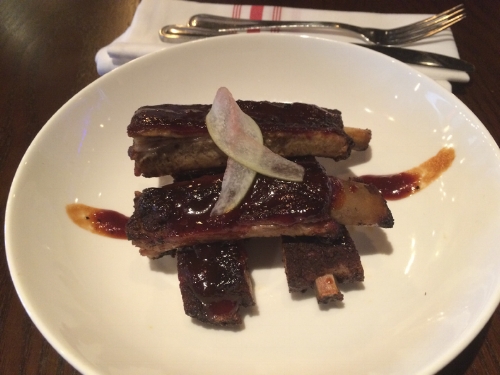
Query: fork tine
(426, 27)
(423, 32)
(410, 38)
(442, 27)
(459, 9)
(444, 19)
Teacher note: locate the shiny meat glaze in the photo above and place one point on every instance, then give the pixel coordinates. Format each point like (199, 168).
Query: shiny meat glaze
(215, 282)
(179, 214)
(181, 121)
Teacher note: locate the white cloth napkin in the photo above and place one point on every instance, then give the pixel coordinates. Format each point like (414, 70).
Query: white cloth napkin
(142, 36)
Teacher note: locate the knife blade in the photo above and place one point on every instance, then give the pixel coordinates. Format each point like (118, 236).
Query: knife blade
(430, 59)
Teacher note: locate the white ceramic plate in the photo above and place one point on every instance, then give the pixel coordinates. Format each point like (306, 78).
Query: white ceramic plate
(431, 283)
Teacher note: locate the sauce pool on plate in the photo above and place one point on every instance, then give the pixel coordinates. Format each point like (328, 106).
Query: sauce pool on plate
(404, 184)
(97, 220)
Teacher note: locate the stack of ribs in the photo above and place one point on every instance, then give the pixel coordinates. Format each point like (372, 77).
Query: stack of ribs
(310, 216)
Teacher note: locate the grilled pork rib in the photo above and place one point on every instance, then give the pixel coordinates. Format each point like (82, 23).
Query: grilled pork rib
(178, 214)
(214, 279)
(169, 138)
(215, 282)
(308, 258)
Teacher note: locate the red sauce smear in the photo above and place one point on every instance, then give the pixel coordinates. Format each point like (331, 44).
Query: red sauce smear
(96, 220)
(404, 184)
(395, 186)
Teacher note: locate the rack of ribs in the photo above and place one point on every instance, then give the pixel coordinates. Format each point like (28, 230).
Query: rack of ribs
(212, 263)
(176, 216)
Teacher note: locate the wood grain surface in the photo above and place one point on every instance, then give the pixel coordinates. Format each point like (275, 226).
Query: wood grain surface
(47, 52)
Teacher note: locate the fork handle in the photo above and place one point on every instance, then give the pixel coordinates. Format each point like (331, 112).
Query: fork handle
(182, 33)
(210, 21)
(228, 24)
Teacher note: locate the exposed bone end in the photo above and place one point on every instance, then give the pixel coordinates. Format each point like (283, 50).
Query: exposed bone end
(361, 137)
(327, 290)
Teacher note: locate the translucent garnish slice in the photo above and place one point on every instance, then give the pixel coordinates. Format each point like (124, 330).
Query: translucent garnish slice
(237, 179)
(229, 128)
(236, 183)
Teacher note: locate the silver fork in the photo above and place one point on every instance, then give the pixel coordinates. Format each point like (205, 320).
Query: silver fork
(206, 25)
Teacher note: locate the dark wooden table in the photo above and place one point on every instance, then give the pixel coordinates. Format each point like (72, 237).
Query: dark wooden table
(47, 52)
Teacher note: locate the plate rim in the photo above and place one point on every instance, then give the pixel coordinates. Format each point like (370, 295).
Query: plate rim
(80, 363)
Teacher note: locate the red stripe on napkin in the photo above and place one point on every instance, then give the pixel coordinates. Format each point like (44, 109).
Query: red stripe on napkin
(276, 17)
(276, 13)
(256, 12)
(236, 11)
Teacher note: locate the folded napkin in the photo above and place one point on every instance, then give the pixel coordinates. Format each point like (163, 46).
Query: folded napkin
(142, 36)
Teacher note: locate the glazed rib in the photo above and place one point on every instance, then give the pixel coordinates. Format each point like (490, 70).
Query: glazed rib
(214, 279)
(215, 282)
(178, 214)
(169, 139)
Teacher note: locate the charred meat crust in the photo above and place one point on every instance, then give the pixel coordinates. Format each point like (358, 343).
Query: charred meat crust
(307, 258)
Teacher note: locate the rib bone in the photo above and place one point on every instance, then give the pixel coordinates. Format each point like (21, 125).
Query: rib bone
(327, 290)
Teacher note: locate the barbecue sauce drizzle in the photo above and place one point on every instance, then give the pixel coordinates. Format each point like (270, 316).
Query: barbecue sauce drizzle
(394, 186)
(96, 220)
(401, 185)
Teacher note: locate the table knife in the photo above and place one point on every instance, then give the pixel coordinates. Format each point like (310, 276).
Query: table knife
(430, 59)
